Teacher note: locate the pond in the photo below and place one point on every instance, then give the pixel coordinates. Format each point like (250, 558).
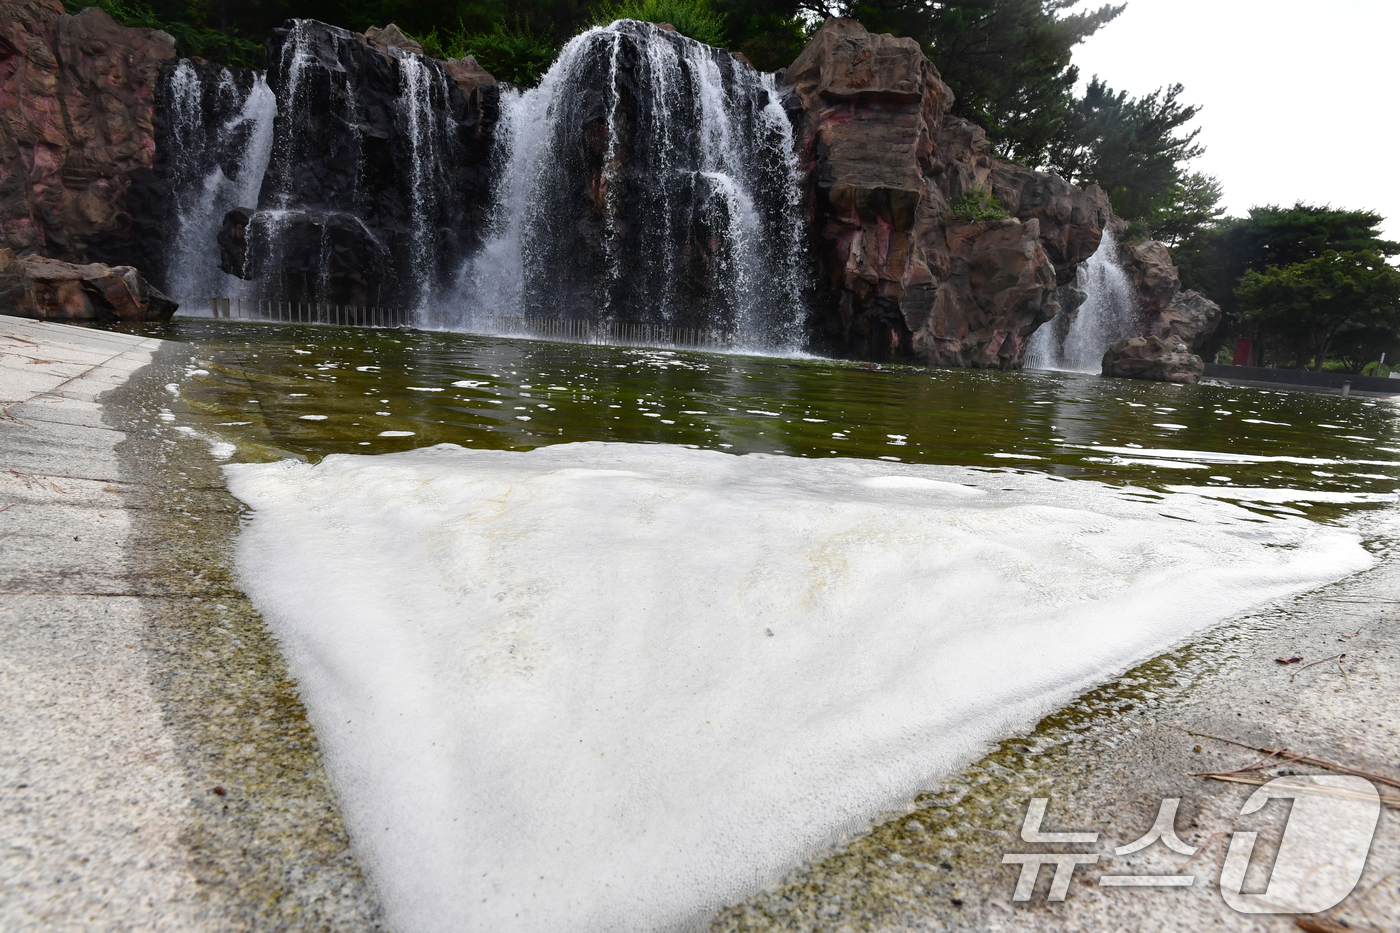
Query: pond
(568, 684)
(275, 390)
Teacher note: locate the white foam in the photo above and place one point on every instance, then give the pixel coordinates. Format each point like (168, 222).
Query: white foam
(610, 686)
(1265, 494)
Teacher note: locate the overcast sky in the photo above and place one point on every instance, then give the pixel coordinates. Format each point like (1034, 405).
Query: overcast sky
(1298, 97)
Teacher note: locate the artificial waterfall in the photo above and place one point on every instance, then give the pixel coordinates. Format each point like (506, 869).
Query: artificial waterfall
(1075, 341)
(359, 184)
(217, 142)
(649, 179)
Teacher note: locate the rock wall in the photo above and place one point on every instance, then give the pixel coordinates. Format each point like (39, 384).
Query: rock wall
(1174, 324)
(380, 169)
(76, 141)
(904, 272)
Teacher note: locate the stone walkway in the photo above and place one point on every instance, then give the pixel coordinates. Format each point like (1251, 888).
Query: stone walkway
(157, 771)
(94, 797)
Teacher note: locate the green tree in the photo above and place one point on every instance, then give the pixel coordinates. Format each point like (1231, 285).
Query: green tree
(1308, 304)
(770, 33)
(1213, 259)
(1009, 65)
(1134, 148)
(1194, 207)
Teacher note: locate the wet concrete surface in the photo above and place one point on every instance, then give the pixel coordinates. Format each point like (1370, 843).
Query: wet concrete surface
(157, 765)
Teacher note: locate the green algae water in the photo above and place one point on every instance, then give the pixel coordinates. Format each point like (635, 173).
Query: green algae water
(274, 391)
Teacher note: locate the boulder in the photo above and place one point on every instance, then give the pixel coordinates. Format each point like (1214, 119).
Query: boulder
(63, 291)
(77, 144)
(1175, 325)
(1191, 318)
(1153, 273)
(1152, 357)
(391, 36)
(328, 256)
(905, 272)
(469, 76)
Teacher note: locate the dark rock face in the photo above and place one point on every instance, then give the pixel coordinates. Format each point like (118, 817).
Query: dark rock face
(61, 291)
(77, 143)
(379, 172)
(902, 276)
(313, 255)
(652, 182)
(1175, 324)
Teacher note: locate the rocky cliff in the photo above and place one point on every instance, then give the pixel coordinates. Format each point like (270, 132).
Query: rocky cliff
(914, 261)
(1173, 324)
(360, 171)
(379, 173)
(76, 142)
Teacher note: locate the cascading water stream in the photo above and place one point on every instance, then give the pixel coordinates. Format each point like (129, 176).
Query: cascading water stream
(361, 203)
(424, 106)
(649, 179)
(219, 143)
(1106, 316)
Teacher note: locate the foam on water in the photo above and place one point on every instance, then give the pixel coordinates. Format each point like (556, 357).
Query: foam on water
(614, 686)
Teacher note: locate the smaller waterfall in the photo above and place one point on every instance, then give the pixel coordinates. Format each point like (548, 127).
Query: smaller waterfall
(424, 105)
(217, 145)
(1076, 342)
(649, 179)
(366, 198)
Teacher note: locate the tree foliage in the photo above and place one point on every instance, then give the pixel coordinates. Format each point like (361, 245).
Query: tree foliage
(1307, 305)
(511, 53)
(692, 18)
(196, 33)
(1007, 61)
(1136, 149)
(1216, 260)
(1194, 207)
(1009, 65)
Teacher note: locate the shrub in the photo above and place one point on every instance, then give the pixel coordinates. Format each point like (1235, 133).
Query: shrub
(977, 205)
(515, 55)
(691, 18)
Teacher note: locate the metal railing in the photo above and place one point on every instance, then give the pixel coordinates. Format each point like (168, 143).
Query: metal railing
(303, 312)
(610, 333)
(539, 327)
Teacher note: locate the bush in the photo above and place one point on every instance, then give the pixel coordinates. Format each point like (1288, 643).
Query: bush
(515, 55)
(691, 18)
(977, 205)
(190, 40)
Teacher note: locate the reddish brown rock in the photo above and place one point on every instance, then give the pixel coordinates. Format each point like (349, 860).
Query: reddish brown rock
(468, 75)
(1071, 219)
(902, 275)
(1153, 274)
(1152, 357)
(76, 141)
(62, 291)
(1175, 325)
